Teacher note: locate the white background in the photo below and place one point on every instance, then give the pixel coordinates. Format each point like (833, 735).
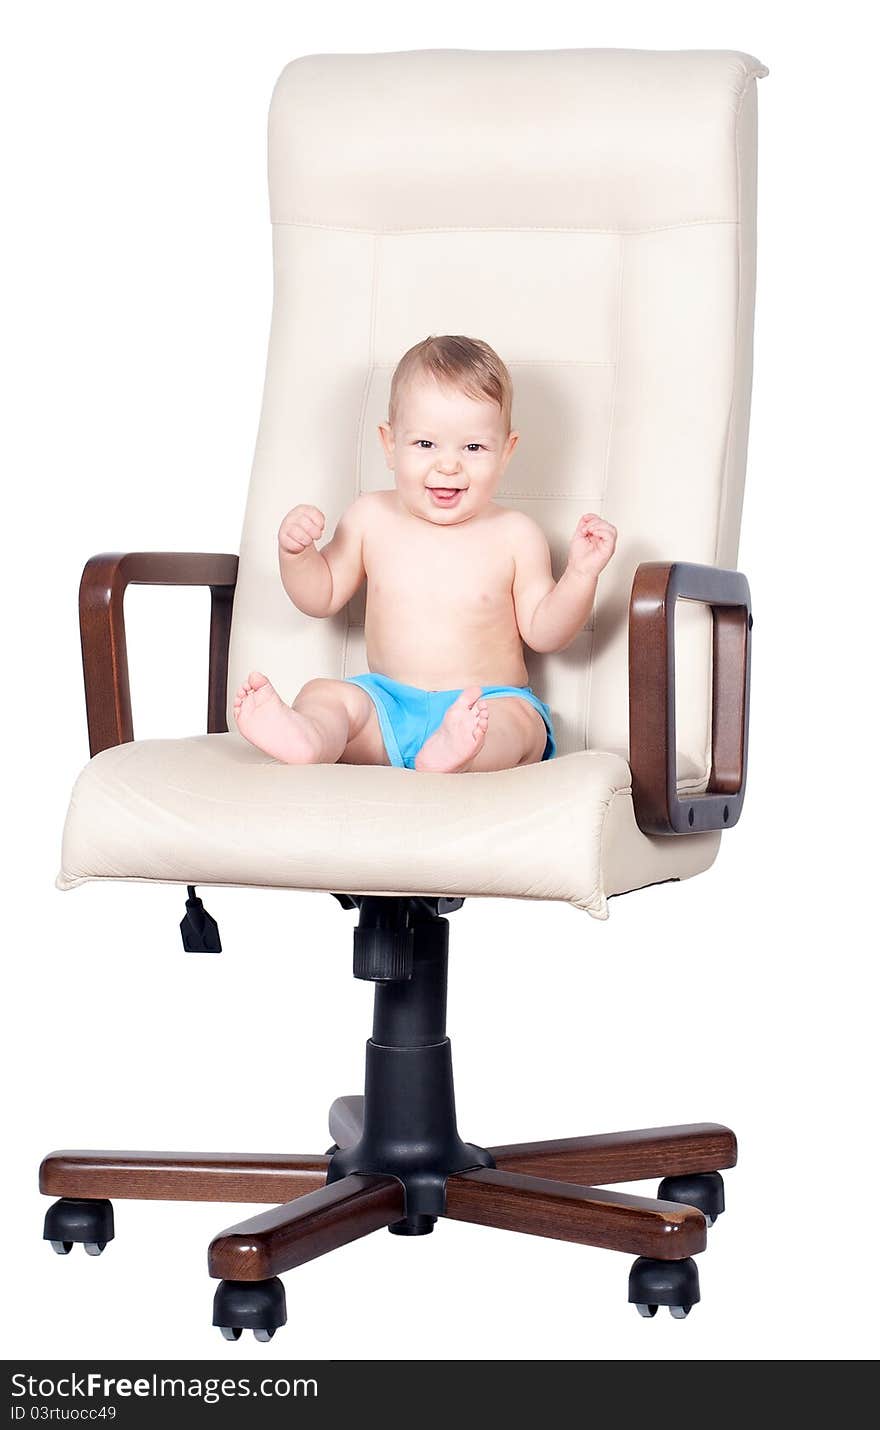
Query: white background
(138, 289)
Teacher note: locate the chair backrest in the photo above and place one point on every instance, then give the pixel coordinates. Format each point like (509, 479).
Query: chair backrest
(591, 215)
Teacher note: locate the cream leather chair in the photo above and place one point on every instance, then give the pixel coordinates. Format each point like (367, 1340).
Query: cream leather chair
(592, 215)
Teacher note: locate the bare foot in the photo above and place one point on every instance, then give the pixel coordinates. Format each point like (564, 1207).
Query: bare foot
(460, 738)
(264, 719)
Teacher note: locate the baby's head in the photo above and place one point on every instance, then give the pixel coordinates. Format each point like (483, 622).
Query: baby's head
(448, 427)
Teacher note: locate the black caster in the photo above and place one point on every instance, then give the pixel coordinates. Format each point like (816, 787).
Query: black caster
(77, 1219)
(257, 1306)
(704, 1190)
(332, 1150)
(419, 1225)
(675, 1284)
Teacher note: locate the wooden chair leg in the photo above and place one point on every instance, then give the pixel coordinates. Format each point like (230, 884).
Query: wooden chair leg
(183, 1176)
(623, 1156)
(347, 1120)
(277, 1240)
(666, 1231)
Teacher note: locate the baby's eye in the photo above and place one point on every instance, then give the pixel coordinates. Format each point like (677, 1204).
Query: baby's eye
(423, 442)
(475, 446)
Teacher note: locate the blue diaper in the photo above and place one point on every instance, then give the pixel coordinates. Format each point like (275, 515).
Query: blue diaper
(409, 716)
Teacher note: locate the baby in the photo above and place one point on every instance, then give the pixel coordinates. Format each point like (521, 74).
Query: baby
(455, 584)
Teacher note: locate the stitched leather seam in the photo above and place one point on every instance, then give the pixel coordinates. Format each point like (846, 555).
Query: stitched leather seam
(724, 492)
(725, 473)
(358, 481)
(595, 613)
(496, 228)
(558, 496)
(600, 898)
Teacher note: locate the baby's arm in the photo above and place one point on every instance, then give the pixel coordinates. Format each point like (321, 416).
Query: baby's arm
(550, 614)
(319, 583)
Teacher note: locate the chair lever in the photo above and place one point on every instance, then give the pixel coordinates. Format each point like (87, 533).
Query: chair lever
(199, 931)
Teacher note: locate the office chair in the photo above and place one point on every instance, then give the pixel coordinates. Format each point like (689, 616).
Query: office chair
(592, 214)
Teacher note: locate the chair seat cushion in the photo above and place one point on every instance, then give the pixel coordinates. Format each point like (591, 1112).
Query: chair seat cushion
(212, 809)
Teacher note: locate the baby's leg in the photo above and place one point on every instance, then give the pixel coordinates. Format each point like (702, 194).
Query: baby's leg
(504, 730)
(330, 720)
(516, 735)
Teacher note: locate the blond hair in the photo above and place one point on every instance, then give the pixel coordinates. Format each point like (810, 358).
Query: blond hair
(468, 364)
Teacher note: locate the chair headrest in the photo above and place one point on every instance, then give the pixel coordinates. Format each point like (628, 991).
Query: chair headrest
(597, 139)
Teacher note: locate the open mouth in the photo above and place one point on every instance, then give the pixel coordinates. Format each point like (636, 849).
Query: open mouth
(446, 496)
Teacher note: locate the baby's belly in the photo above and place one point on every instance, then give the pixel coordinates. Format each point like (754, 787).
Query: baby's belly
(440, 652)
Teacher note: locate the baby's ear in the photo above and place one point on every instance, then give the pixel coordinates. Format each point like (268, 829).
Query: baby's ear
(386, 437)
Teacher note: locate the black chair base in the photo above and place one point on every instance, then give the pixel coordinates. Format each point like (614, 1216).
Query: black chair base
(397, 1161)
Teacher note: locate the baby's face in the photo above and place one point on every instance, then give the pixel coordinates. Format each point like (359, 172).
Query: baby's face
(447, 451)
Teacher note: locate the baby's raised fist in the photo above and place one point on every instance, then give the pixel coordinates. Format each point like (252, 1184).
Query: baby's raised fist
(301, 527)
(592, 545)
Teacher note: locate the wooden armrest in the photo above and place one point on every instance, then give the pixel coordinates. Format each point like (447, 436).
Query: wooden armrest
(656, 587)
(102, 632)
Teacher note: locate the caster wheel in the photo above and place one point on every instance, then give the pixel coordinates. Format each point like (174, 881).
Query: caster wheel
(331, 1151)
(704, 1190)
(257, 1306)
(78, 1219)
(675, 1284)
(418, 1225)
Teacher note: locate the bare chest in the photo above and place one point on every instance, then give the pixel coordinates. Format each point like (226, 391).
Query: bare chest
(423, 572)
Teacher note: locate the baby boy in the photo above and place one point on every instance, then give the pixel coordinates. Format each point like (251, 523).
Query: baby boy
(455, 584)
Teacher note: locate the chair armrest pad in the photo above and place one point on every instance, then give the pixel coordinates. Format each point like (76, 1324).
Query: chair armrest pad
(656, 587)
(102, 631)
